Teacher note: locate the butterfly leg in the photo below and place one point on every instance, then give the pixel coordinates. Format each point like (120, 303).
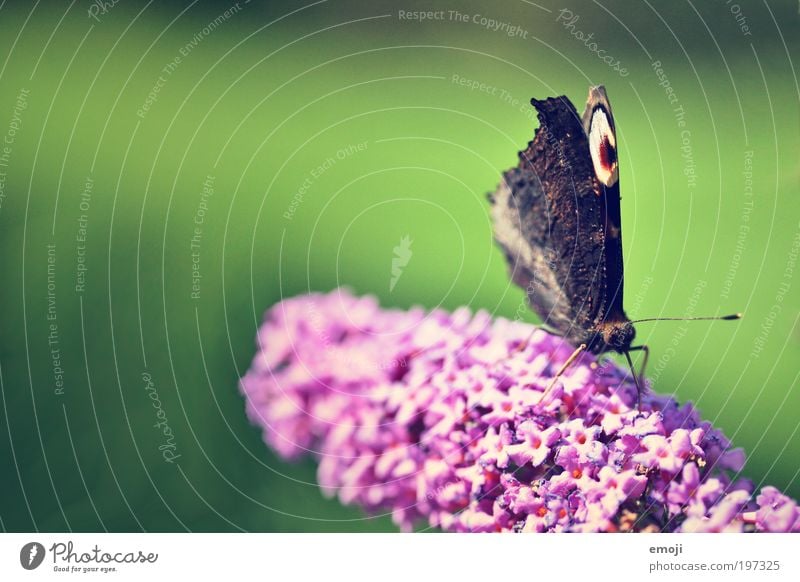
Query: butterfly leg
(636, 376)
(646, 350)
(561, 370)
(522, 346)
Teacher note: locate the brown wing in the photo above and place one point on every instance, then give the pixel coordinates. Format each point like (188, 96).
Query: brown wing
(550, 217)
(521, 211)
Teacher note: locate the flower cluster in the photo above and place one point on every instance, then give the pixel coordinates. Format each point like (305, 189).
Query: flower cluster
(440, 417)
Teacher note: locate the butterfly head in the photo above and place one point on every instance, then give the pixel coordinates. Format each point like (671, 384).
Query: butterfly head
(617, 335)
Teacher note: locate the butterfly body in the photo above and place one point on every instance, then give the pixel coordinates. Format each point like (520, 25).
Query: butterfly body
(557, 219)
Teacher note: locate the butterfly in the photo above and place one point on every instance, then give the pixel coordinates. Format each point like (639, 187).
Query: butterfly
(557, 219)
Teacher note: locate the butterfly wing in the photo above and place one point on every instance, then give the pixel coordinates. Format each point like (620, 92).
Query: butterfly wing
(520, 211)
(598, 124)
(554, 220)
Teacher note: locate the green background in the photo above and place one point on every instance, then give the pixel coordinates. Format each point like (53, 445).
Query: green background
(259, 103)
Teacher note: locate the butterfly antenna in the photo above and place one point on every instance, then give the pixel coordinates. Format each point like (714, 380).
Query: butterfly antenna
(731, 317)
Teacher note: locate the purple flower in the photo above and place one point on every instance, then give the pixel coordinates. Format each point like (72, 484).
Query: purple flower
(724, 516)
(439, 417)
(534, 445)
(776, 512)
